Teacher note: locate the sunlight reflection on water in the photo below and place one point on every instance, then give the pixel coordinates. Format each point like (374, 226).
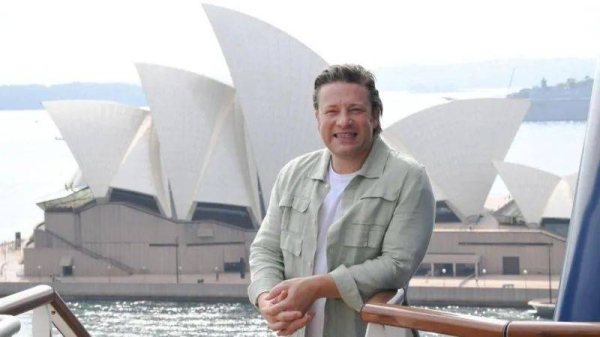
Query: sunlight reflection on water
(149, 318)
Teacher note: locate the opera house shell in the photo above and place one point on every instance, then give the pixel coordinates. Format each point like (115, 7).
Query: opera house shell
(544, 199)
(193, 172)
(457, 143)
(181, 186)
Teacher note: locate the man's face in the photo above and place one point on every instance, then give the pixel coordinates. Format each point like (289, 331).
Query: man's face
(346, 120)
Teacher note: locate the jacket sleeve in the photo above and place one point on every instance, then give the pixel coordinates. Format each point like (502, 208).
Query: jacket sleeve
(266, 259)
(403, 248)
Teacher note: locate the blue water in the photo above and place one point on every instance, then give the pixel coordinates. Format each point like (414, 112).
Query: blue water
(148, 318)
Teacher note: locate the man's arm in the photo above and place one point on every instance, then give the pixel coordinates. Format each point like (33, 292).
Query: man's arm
(266, 259)
(301, 293)
(267, 270)
(404, 246)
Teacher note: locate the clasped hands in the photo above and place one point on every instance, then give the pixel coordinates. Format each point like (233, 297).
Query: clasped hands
(286, 306)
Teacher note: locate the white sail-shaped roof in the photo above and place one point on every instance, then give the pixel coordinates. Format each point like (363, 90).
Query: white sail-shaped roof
(226, 174)
(242, 138)
(530, 188)
(572, 181)
(273, 74)
(457, 142)
(190, 113)
(560, 203)
(438, 194)
(76, 182)
(98, 134)
(141, 170)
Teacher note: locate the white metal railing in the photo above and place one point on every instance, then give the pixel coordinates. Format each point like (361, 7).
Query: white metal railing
(381, 330)
(48, 310)
(9, 325)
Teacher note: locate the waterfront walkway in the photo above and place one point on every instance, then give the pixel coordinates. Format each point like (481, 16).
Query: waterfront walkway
(489, 281)
(498, 290)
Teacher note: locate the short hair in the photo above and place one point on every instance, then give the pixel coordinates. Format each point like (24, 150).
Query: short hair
(351, 73)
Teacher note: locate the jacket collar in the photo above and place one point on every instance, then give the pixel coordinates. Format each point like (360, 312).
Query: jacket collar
(375, 163)
(372, 168)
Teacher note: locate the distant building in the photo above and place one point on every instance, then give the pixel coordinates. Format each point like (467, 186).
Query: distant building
(500, 251)
(184, 184)
(182, 188)
(569, 101)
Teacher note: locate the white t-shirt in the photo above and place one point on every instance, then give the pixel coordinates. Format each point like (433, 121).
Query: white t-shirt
(328, 214)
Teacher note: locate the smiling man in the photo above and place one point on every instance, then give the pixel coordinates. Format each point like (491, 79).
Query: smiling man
(343, 223)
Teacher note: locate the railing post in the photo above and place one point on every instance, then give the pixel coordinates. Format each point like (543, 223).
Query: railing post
(380, 330)
(41, 321)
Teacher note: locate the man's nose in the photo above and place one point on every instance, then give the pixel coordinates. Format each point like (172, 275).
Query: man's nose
(344, 119)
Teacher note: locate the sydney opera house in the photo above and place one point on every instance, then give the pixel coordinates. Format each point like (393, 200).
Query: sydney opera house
(181, 186)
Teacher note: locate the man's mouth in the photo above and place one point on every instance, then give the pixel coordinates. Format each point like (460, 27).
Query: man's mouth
(345, 135)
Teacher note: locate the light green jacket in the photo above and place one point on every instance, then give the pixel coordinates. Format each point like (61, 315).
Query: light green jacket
(378, 242)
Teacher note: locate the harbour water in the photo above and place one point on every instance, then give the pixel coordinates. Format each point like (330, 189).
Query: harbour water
(183, 319)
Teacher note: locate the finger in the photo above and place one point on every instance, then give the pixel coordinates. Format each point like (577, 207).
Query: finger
(275, 309)
(265, 312)
(284, 332)
(288, 316)
(269, 319)
(295, 325)
(278, 325)
(276, 291)
(299, 323)
(281, 296)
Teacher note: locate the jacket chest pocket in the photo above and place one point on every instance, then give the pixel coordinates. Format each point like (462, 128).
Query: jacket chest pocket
(291, 249)
(361, 243)
(370, 217)
(294, 212)
(375, 208)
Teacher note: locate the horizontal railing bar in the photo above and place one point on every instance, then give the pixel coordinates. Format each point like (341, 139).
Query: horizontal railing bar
(432, 320)
(32, 298)
(554, 329)
(378, 311)
(26, 300)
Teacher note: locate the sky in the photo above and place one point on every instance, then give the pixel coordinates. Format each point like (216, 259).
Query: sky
(62, 41)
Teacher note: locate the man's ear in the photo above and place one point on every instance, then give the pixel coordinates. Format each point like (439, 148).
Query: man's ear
(376, 119)
(317, 118)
